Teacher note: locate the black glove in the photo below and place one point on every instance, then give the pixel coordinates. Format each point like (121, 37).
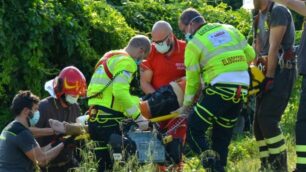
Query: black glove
(267, 85)
(56, 140)
(55, 143)
(69, 142)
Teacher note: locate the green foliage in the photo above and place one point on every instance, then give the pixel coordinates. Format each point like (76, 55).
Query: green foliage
(144, 14)
(298, 37)
(298, 20)
(235, 4)
(5, 117)
(38, 38)
(89, 161)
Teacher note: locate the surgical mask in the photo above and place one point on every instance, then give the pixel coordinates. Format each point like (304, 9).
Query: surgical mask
(163, 47)
(140, 58)
(34, 118)
(138, 61)
(71, 99)
(188, 35)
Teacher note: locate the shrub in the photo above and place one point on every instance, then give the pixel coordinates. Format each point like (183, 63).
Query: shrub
(38, 38)
(143, 14)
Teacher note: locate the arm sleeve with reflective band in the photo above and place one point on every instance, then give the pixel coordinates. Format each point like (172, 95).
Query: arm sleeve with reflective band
(193, 71)
(97, 79)
(247, 48)
(121, 88)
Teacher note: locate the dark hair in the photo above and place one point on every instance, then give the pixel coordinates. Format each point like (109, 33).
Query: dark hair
(189, 14)
(24, 99)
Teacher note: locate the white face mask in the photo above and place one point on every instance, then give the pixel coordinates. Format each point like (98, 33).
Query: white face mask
(34, 118)
(70, 99)
(162, 47)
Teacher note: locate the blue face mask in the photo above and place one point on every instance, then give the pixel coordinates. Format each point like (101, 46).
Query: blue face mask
(188, 36)
(34, 118)
(138, 61)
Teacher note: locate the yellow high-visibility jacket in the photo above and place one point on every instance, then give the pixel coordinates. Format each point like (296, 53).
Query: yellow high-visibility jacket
(117, 95)
(213, 50)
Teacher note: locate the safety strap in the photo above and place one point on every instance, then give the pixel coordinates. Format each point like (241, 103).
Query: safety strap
(108, 56)
(228, 92)
(210, 118)
(104, 88)
(103, 62)
(106, 69)
(103, 114)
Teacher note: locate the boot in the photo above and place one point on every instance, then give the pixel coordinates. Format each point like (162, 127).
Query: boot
(264, 164)
(278, 162)
(211, 161)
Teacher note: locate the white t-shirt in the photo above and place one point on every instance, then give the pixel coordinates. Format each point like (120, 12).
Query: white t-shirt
(240, 77)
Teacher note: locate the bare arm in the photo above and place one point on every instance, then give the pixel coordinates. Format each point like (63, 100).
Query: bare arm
(46, 148)
(39, 132)
(276, 36)
(145, 81)
(296, 5)
(37, 155)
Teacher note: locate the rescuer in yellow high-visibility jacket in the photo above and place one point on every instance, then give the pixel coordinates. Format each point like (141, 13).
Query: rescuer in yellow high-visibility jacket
(109, 95)
(219, 55)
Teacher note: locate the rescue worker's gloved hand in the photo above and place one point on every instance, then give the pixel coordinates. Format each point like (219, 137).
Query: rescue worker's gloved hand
(267, 85)
(142, 122)
(74, 129)
(183, 111)
(57, 126)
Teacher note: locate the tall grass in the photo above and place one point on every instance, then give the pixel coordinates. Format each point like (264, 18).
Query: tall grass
(243, 152)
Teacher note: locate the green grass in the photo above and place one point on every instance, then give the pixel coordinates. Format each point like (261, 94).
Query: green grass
(243, 153)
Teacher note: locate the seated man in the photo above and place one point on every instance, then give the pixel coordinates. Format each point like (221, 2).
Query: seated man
(61, 105)
(19, 150)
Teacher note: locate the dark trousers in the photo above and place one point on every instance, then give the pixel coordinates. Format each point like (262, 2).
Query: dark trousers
(101, 134)
(100, 131)
(300, 130)
(221, 114)
(269, 109)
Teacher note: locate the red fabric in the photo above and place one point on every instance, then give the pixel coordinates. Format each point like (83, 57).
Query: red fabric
(179, 132)
(166, 69)
(108, 55)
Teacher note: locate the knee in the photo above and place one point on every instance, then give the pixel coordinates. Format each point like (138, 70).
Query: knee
(265, 122)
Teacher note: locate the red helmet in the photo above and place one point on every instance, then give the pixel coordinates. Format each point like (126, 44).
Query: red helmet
(70, 81)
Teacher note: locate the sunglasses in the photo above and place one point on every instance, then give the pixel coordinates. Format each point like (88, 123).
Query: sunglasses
(161, 41)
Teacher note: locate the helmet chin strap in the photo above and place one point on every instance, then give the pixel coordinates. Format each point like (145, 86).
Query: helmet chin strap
(63, 101)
